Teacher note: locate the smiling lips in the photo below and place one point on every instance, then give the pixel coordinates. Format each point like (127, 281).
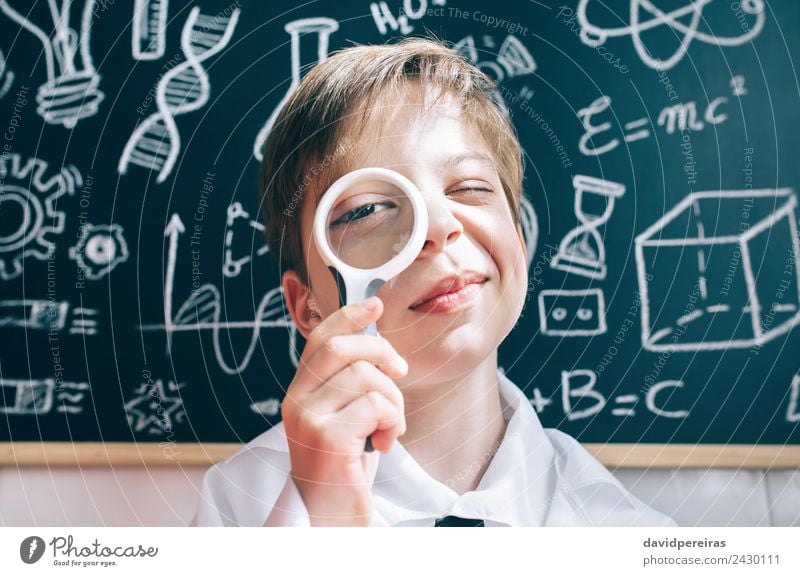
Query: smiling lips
(450, 293)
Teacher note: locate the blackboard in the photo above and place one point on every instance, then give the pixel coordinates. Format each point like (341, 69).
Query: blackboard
(139, 304)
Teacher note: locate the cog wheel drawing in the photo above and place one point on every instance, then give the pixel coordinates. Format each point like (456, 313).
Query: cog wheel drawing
(99, 250)
(28, 214)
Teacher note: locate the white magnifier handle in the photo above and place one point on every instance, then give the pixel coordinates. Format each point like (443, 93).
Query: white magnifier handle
(377, 221)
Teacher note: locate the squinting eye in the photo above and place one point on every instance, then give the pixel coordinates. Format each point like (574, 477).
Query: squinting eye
(471, 189)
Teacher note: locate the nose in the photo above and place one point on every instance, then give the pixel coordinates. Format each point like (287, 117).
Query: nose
(443, 227)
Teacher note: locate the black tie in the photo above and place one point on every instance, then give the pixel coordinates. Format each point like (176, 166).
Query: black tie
(448, 521)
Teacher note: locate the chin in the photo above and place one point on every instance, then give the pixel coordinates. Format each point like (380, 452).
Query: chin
(449, 356)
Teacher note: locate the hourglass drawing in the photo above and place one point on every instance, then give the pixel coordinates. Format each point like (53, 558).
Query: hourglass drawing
(300, 32)
(582, 250)
(72, 94)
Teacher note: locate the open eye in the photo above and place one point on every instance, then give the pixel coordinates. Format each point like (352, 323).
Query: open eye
(361, 212)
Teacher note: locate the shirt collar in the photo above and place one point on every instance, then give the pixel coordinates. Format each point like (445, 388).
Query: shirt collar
(515, 489)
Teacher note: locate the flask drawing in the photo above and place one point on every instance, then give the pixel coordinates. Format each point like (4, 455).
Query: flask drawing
(156, 142)
(318, 29)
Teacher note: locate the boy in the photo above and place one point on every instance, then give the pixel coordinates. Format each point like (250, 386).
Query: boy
(453, 436)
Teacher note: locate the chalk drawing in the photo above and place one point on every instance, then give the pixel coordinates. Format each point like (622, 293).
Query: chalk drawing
(654, 18)
(28, 207)
(6, 77)
(99, 250)
(628, 401)
(582, 250)
(384, 16)
(268, 407)
(592, 401)
(84, 321)
(202, 311)
(47, 316)
(650, 399)
(156, 407)
(572, 312)
(156, 142)
(793, 409)
(71, 92)
(726, 285)
(530, 227)
(40, 397)
(599, 136)
(149, 29)
(306, 30)
(511, 60)
(569, 394)
(232, 266)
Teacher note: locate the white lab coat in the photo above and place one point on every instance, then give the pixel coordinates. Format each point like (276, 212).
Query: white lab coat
(537, 477)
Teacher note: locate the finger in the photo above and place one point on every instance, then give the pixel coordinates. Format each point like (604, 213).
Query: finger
(354, 423)
(342, 350)
(350, 319)
(353, 381)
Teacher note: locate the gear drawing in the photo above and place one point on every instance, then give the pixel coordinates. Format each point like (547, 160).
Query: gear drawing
(28, 200)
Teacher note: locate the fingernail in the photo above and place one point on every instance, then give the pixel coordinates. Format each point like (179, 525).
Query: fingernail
(370, 304)
(402, 364)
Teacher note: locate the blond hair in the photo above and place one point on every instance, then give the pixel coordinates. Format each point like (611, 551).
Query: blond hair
(310, 143)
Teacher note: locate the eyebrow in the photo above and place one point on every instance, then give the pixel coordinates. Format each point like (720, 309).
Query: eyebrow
(453, 161)
(450, 163)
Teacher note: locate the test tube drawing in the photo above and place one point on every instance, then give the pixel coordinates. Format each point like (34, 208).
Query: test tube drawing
(149, 29)
(156, 142)
(582, 250)
(71, 92)
(318, 29)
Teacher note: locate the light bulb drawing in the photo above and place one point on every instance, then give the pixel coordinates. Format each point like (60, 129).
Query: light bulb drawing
(298, 29)
(71, 92)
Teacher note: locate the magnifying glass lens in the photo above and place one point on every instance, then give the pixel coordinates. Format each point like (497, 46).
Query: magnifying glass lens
(370, 224)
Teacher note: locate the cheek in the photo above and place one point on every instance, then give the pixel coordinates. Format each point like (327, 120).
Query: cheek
(499, 237)
(508, 256)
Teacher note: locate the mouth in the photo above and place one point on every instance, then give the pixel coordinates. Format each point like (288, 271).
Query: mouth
(450, 293)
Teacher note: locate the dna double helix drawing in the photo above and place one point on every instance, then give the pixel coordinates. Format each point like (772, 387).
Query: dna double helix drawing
(156, 142)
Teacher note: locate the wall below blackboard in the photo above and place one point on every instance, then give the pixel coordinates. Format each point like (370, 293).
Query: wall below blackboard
(168, 496)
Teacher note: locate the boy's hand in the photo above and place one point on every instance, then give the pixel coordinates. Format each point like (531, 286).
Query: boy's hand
(342, 393)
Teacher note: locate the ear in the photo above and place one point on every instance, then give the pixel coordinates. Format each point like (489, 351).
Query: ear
(300, 302)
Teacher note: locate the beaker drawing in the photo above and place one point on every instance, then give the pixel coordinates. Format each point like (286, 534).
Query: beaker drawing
(582, 250)
(307, 30)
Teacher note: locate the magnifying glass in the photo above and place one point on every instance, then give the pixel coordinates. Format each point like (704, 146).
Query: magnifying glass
(369, 226)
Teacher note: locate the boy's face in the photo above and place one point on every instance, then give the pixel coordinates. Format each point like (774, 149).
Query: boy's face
(471, 230)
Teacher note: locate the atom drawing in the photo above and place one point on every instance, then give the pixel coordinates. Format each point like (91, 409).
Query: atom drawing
(684, 22)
